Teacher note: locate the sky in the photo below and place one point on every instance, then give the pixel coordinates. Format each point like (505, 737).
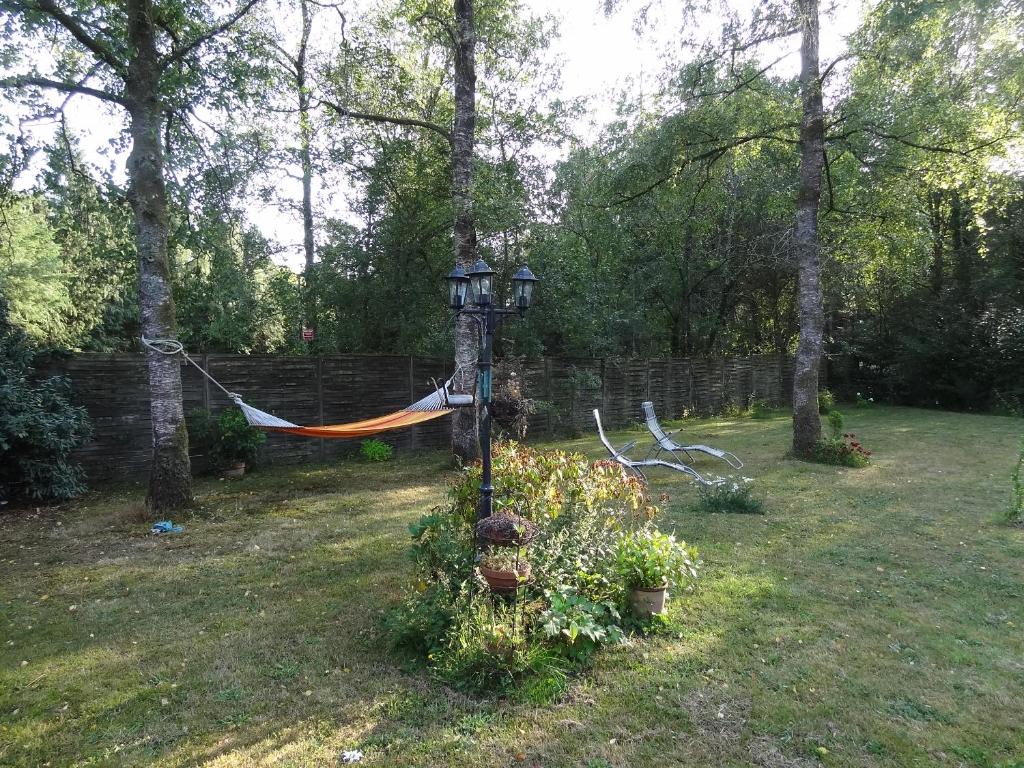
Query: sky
(599, 55)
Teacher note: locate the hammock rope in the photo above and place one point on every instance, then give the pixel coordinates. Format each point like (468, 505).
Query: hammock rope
(439, 403)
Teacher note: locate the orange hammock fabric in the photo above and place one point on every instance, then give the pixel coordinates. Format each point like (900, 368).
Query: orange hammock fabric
(365, 428)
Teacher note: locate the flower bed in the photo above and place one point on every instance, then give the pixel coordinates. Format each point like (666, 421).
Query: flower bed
(583, 523)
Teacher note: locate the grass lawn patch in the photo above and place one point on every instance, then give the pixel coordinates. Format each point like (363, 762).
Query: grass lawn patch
(872, 617)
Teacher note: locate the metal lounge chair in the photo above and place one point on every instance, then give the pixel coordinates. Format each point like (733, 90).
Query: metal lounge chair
(634, 466)
(663, 442)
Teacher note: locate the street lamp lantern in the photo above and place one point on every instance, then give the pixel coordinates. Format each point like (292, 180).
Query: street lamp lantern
(480, 281)
(522, 288)
(458, 287)
(481, 278)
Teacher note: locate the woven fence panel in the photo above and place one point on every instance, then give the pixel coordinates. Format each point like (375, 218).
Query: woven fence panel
(335, 389)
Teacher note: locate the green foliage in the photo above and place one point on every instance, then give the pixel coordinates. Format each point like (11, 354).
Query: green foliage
(826, 401)
(835, 423)
(581, 509)
(39, 426)
(843, 450)
(375, 450)
(227, 439)
(31, 273)
(761, 408)
(733, 496)
(580, 626)
(237, 441)
(649, 559)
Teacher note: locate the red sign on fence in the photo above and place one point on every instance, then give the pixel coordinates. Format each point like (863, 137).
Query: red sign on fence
(307, 334)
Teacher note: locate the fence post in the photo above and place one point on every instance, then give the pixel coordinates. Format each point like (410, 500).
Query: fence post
(648, 366)
(206, 382)
(548, 393)
(412, 399)
(320, 401)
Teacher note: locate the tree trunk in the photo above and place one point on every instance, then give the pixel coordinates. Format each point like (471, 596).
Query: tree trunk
(806, 421)
(306, 161)
(465, 443)
(170, 480)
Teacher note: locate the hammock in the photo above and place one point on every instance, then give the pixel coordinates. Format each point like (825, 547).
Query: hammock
(433, 406)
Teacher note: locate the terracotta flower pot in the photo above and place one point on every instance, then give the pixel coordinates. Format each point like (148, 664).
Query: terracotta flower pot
(505, 580)
(235, 471)
(648, 602)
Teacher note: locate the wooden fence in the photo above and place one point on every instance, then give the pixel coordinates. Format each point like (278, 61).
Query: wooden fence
(338, 388)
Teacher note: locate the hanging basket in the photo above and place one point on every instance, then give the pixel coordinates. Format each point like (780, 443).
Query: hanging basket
(506, 529)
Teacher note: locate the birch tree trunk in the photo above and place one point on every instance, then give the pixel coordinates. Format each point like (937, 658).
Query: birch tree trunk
(465, 442)
(170, 479)
(306, 161)
(806, 421)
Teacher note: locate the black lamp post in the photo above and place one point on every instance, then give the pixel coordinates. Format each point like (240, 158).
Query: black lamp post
(478, 286)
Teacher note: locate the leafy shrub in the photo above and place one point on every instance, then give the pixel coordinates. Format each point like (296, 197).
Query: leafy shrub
(841, 449)
(375, 450)
(581, 510)
(39, 426)
(762, 409)
(731, 411)
(579, 625)
(835, 423)
(227, 439)
(731, 496)
(864, 402)
(844, 451)
(237, 441)
(826, 401)
(649, 559)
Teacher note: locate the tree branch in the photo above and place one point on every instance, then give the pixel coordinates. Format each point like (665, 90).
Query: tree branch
(71, 24)
(179, 52)
(44, 82)
(406, 121)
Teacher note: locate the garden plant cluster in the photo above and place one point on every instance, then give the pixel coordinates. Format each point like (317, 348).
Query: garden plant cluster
(592, 541)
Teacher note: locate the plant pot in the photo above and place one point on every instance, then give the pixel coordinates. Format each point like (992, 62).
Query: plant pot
(235, 471)
(505, 582)
(648, 602)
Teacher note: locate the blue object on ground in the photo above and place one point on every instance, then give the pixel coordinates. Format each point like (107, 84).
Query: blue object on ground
(165, 526)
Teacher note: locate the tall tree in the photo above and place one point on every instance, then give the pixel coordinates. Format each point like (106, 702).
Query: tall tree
(464, 426)
(143, 55)
(806, 421)
(459, 31)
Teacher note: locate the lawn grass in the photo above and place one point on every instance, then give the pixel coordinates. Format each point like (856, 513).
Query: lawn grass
(872, 618)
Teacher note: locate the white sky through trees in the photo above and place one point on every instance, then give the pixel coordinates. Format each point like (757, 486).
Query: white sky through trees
(599, 56)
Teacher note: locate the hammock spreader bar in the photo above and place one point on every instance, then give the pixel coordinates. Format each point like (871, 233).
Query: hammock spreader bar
(433, 406)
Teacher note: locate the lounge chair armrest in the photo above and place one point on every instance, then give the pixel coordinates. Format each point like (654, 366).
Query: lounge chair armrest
(628, 446)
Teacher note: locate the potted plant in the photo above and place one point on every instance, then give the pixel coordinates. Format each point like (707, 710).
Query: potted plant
(504, 570)
(506, 529)
(237, 443)
(649, 562)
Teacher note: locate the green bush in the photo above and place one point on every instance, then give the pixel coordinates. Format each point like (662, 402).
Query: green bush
(227, 439)
(732, 496)
(649, 559)
(39, 427)
(578, 625)
(572, 603)
(826, 401)
(375, 450)
(841, 449)
(762, 409)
